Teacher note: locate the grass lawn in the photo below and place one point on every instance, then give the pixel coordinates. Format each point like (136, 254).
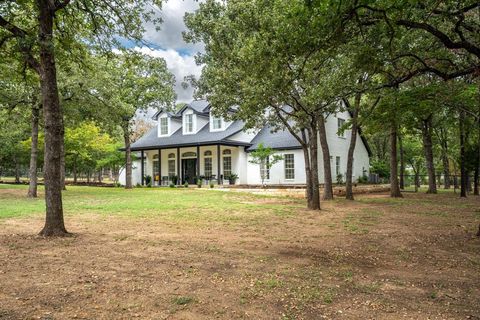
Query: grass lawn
(206, 254)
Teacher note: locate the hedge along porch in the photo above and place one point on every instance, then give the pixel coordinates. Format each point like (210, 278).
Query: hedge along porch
(177, 165)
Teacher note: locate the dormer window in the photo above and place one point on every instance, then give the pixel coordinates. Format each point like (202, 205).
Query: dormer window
(164, 126)
(188, 123)
(217, 123)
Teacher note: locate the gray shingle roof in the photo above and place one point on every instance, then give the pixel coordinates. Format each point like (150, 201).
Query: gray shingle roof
(151, 140)
(281, 139)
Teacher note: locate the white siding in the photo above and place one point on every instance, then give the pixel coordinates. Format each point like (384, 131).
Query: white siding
(339, 148)
(244, 136)
(277, 171)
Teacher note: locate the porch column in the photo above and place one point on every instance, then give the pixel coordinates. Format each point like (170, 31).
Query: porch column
(159, 167)
(198, 162)
(218, 164)
(179, 175)
(142, 167)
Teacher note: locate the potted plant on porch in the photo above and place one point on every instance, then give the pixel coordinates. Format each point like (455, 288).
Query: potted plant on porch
(232, 178)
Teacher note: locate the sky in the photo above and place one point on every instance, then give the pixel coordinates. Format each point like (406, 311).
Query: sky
(168, 43)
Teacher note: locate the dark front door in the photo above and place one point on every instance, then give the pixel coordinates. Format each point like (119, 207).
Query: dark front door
(189, 170)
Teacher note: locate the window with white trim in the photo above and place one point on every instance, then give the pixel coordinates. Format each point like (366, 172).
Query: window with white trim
(164, 126)
(207, 163)
(207, 167)
(171, 165)
(189, 123)
(227, 163)
(155, 167)
(289, 162)
(337, 165)
(217, 123)
(340, 124)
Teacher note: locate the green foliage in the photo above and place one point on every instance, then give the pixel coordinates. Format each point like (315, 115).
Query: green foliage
(362, 179)
(183, 300)
(148, 180)
(381, 168)
(232, 178)
(174, 179)
(339, 178)
(265, 157)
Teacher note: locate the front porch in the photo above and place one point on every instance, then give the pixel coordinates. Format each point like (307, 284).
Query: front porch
(179, 165)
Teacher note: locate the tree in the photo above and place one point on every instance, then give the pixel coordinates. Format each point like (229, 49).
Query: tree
(131, 81)
(265, 157)
(14, 130)
(255, 60)
(414, 157)
(85, 145)
(35, 31)
(445, 45)
(19, 90)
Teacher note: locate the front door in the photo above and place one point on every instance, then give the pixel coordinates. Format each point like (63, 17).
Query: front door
(189, 170)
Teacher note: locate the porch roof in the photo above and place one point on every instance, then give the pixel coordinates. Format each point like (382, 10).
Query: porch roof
(203, 137)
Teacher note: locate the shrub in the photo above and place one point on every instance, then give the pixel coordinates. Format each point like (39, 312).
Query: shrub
(172, 185)
(232, 178)
(148, 180)
(211, 185)
(185, 184)
(138, 185)
(339, 178)
(149, 185)
(199, 182)
(381, 168)
(363, 179)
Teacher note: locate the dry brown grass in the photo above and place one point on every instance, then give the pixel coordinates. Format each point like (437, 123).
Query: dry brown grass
(375, 258)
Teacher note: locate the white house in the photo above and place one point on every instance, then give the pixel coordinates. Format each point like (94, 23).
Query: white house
(193, 143)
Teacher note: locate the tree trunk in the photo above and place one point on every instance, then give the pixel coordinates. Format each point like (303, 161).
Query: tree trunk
(463, 171)
(402, 162)
(17, 169)
(427, 148)
(313, 144)
(62, 163)
(32, 187)
(394, 187)
(327, 171)
(308, 170)
(417, 181)
(75, 170)
(477, 166)
(54, 223)
(351, 149)
(128, 155)
(446, 170)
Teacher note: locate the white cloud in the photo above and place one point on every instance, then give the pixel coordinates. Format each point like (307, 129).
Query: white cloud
(170, 34)
(180, 65)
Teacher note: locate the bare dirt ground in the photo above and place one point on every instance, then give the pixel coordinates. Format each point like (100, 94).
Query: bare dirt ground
(375, 258)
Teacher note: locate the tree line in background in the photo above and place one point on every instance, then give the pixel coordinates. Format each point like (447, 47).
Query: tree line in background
(407, 71)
